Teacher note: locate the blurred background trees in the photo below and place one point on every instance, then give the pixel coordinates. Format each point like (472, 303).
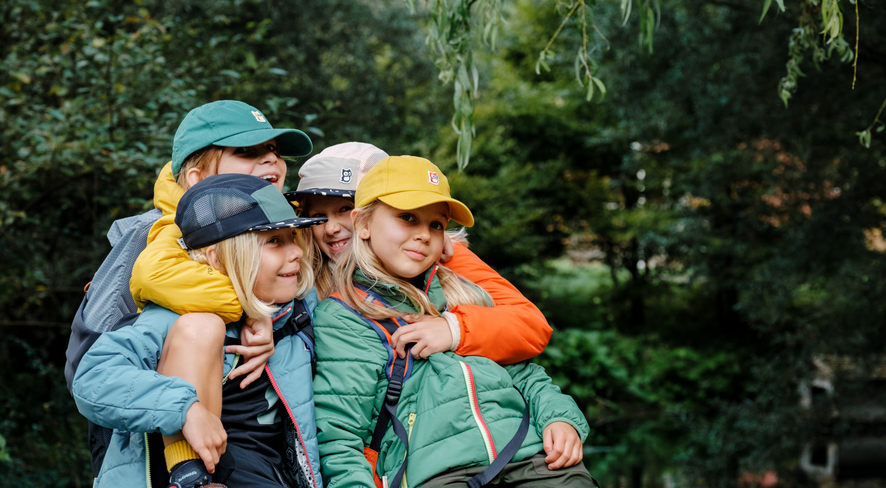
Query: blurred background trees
(696, 245)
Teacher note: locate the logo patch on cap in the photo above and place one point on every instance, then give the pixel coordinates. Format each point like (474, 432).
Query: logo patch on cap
(433, 178)
(345, 175)
(258, 116)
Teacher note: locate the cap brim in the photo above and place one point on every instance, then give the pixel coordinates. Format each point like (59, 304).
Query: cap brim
(408, 200)
(291, 142)
(296, 223)
(328, 192)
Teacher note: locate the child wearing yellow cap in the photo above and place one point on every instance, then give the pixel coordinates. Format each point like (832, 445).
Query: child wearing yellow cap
(513, 330)
(442, 419)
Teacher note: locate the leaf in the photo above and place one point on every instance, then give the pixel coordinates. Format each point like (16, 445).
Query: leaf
(864, 137)
(316, 131)
(625, 11)
(278, 71)
(780, 4)
(766, 6)
(476, 76)
(600, 86)
(230, 72)
(23, 77)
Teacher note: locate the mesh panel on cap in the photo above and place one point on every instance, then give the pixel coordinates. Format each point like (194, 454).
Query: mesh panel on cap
(374, 158)
(215, 205)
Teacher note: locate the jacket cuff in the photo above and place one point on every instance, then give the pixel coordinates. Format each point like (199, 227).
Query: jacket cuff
(454, 328)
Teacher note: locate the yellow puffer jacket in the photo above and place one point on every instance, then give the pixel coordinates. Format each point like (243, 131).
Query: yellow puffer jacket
(164, 273)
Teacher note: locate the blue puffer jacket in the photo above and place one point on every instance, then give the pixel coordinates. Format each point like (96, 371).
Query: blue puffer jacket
(117, 386)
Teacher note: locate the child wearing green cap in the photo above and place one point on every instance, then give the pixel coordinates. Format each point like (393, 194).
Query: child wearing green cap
(221, 137)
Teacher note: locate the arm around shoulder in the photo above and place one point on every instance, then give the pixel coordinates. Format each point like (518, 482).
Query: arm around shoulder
(164, 274)
(514, 330)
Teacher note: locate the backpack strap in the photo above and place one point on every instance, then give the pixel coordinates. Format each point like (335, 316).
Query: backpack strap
(299, 324)
(397, 370)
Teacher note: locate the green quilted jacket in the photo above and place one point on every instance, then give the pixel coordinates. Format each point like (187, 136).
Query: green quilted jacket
(458, 411)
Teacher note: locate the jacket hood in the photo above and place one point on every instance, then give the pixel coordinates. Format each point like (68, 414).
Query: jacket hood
(167, 192)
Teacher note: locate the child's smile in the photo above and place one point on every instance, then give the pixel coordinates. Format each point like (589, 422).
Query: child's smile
(334, 236)
(408, 242)
(277, 280)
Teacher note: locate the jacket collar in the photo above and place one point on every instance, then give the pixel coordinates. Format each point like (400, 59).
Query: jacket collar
(397, 299)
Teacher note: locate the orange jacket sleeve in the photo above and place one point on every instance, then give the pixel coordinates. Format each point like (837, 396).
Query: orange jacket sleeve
(512, 331)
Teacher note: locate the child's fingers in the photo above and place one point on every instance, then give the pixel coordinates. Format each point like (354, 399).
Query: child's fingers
(397, 341)
(251, 366)
(557, 456)
(548, 441)
(251, 377)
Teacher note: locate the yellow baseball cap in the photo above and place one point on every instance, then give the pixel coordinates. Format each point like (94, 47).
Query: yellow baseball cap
(408, 182)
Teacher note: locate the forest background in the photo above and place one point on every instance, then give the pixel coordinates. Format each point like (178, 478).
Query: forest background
(700, 246)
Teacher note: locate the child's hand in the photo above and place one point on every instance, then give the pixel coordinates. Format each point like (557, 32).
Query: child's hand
(562, 445)
(257, 339)
(430, 334)
(206, 435)
(448, 250)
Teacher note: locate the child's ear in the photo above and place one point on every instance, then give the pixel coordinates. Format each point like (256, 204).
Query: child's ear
(193, 176)
(211, 257)
(361, 226)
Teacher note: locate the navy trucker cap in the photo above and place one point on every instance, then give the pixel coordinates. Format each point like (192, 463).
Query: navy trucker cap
(223, 206)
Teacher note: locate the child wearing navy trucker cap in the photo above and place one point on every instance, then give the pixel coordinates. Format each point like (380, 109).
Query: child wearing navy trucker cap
(134, 381)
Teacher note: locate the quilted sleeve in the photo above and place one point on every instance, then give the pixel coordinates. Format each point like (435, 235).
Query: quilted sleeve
(514, 330)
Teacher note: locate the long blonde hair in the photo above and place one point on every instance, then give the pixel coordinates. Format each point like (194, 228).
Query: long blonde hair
(239, 258)
(457, 289)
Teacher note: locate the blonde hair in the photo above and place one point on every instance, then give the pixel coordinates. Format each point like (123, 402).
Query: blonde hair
(457, 289)
(322, 265)
(206, 160)
(239, 258)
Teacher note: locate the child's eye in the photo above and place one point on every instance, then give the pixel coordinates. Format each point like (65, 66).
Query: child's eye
(345, 209)
(240, 150)
(408, 217)
(317, 215)
(272, 148)
(438, 226)
(274, 240)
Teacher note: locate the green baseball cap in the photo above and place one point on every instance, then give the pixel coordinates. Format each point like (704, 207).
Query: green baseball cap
(229, 123)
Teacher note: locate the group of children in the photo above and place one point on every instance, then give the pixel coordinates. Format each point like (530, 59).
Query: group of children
(376, 349)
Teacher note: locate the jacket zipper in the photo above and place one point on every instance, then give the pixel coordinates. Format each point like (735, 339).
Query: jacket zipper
(147, 461)
(475, 410)
(411, 423)
(294, 423)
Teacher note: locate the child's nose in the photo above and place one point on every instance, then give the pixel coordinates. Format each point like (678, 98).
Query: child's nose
(332, 226)
(295, 252)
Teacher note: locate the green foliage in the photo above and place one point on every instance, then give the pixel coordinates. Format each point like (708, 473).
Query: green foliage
(46, 436)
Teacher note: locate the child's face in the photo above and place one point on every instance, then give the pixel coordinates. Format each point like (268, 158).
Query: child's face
(407, 242)
(277, 280)
(262, 160)
(334, 236)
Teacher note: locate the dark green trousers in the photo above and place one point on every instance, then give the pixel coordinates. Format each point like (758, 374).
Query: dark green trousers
(529, 473)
